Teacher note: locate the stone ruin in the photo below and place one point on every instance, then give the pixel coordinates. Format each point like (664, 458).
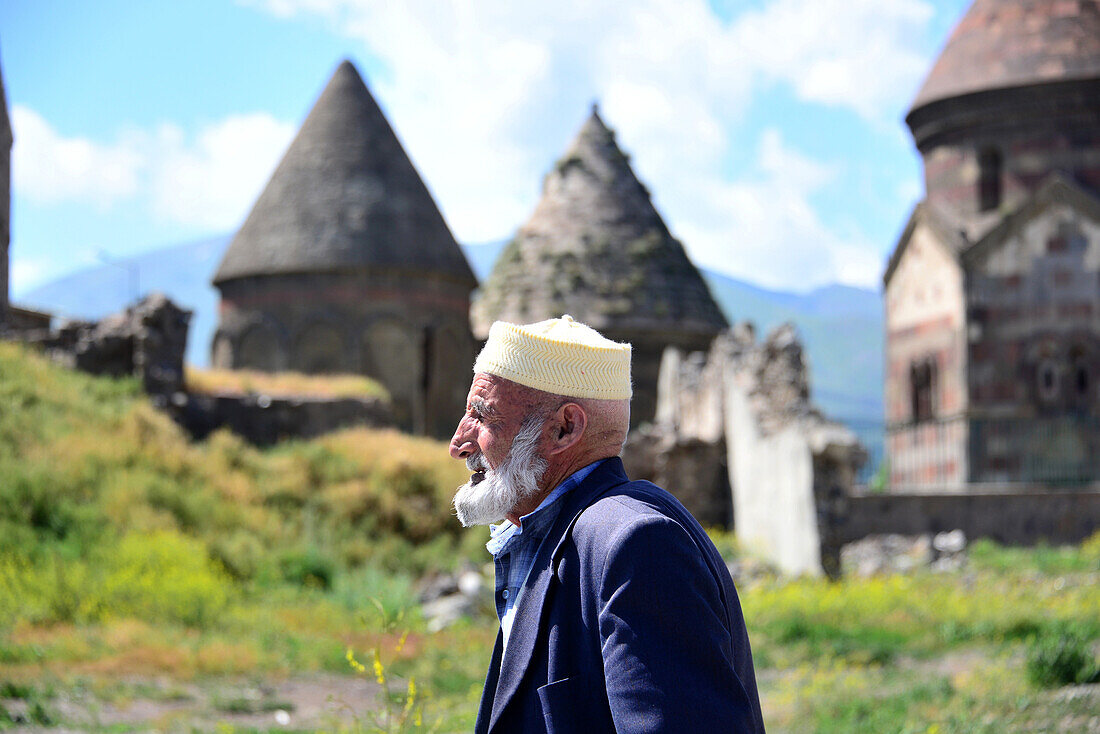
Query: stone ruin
(147, 340)
(738, 439)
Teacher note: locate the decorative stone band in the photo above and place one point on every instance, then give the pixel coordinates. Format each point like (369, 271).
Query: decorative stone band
(559, 356)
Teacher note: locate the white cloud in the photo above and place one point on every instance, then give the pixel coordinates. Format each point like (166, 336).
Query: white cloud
(861, 54)
(207, 181)
(25, 273)
(479, 91)
(763, 228)
(798, 173)
(212, 181)
(484, 93)
(909, 191)
(48, 167)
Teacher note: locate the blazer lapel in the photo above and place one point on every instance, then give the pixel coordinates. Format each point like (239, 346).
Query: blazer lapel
(485, 708)
(532, 601)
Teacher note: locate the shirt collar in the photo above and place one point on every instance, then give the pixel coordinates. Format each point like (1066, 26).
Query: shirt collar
(543, 515)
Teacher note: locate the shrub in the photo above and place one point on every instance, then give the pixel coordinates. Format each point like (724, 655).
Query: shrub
(1062, 658)
(370, 586)
(162, 576)
(726, 543)
(307, 567)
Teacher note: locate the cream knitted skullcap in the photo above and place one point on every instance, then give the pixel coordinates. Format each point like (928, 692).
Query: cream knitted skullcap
(559, 356)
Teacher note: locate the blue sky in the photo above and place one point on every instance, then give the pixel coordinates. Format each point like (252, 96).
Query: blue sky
(770, 132)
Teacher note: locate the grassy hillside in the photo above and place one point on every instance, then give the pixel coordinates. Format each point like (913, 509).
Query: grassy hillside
(91, 472)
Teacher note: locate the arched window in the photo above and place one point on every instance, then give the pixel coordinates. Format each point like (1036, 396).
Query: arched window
(990, 168)
(922, 382)
(392, 355)
(1048, 380)
(1081, 376)
(319, 349)
(260, 350)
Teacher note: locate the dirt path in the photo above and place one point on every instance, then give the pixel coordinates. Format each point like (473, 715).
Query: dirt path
(302, 702)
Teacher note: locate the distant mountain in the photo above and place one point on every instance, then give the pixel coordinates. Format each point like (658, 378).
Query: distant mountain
(841, 327)
(842, 331)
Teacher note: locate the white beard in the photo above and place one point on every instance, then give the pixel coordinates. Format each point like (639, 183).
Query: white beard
(488, 500)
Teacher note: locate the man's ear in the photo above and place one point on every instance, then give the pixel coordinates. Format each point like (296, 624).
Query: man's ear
(567, 426)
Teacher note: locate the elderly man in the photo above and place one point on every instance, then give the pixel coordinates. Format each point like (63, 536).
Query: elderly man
(616, 612)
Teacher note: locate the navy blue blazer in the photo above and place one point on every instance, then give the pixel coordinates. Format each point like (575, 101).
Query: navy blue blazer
(628, 622)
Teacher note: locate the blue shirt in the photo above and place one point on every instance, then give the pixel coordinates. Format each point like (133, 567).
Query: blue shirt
(514, 547)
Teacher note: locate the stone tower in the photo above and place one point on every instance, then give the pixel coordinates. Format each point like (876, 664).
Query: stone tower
(992, 297)
(5, 200)
(596, 248)
(346, 265)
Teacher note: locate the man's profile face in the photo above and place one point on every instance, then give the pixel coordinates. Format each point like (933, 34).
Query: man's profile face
(499, 438)
(492, 419)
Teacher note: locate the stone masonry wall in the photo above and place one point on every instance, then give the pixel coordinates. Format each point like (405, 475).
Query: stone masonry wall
(925, 324)
(415, 341)
(265, 420)
(1022, 517)
(1034, 352)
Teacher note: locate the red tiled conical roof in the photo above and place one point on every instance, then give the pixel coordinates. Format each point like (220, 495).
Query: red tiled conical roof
(1014, 43)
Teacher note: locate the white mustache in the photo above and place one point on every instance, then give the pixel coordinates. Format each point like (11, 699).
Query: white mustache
(476, 462)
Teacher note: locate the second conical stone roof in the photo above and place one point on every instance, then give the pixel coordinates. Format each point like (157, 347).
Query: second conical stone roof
(595, 248)
(344, 197)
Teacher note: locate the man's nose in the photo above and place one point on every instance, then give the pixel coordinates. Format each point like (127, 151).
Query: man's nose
(462, 444)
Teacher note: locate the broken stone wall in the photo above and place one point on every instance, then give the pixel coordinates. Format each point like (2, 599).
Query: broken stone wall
(147, 340)
(684, 449)
(1025, 517)
(264, 420)
(790, 467)
(737, 434)
(20, 321)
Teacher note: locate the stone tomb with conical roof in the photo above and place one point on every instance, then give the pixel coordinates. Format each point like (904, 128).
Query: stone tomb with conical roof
(596, 248)
(345, 264)
(992, 297)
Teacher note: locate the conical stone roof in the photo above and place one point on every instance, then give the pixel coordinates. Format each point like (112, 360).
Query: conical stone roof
(595, 248)
(1014, 43)
(345, 197)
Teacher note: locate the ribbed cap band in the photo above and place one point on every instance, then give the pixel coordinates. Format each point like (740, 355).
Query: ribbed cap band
(559, 356)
